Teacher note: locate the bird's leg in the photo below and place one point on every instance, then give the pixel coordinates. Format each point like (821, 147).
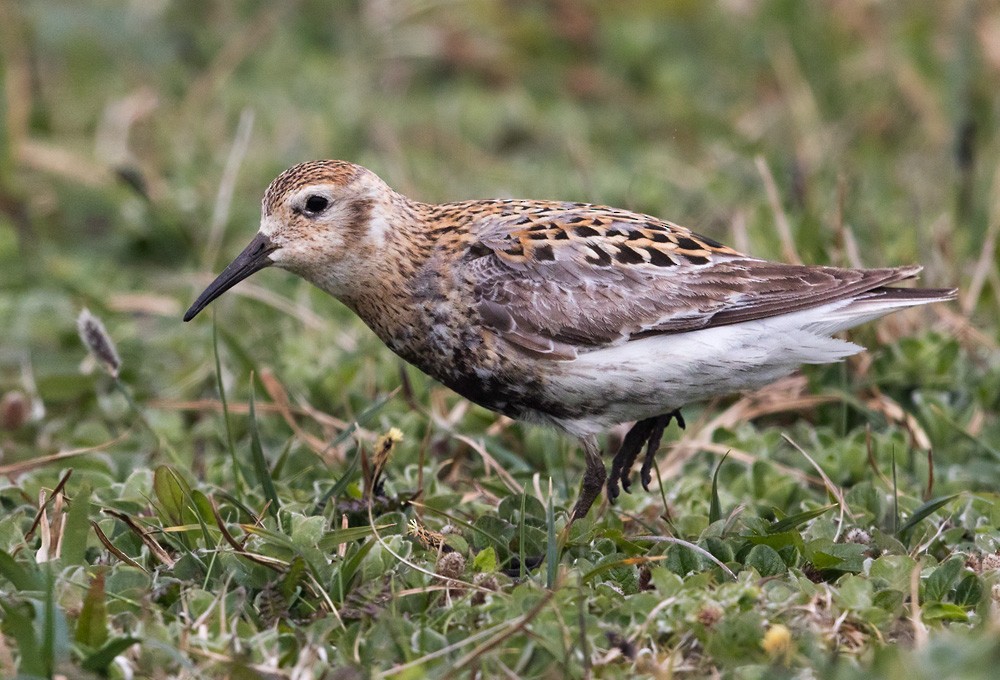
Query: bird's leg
(593, 477)
(621, 466)
(655, 435)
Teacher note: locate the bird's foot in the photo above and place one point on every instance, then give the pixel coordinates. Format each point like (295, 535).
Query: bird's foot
(593, 479)
(655, 436)
(621, 465)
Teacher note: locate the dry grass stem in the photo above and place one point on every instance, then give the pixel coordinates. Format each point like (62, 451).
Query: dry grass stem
(781, 224)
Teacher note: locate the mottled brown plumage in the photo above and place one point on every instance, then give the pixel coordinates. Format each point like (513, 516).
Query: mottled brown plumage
(581, 316)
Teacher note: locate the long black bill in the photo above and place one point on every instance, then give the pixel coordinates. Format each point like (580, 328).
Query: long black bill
(253, 258)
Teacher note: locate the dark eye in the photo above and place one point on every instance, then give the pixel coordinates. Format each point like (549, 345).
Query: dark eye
(316, 204)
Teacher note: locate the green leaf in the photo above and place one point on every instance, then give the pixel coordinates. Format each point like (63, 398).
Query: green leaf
(765, 560)
(18, 575)
(99, 661)
(682, 560)
(943, 611)
(890, 600)
(969, 591)
(348, 568)
(937, 585)
(172, 491)
(202, 506)
(520, 505)
(20, 627)
(92, 626)
(667, 582)
(77, 528)
(719, 548)
(778, 540)
(485, 561)
(895, 570)
(307, 531)
(619, 569)
(825, 554)
(854, 593)
(259, 462)
(290, 582)
(736, 639)
(887, 544)
(493, 531)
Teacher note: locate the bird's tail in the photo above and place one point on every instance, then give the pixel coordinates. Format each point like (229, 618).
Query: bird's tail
(878, 302)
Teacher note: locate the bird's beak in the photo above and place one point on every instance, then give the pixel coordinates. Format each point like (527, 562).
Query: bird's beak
(254, 257)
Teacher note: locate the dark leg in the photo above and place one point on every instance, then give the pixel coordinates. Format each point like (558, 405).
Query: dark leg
(593, 478)
(621, 466)
(660, 424)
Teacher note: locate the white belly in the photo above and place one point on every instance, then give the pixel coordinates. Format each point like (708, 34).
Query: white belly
(655, 375)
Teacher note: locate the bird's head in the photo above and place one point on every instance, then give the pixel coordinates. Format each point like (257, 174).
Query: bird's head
(322, 220)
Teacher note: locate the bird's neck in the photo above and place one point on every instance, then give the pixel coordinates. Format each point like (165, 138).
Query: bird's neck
(389, 268)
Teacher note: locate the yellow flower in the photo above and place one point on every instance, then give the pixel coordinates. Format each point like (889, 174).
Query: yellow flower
(778, 643)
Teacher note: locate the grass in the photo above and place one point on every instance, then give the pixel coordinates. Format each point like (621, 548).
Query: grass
(268, 492)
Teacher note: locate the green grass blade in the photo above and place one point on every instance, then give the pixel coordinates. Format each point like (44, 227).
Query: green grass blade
(551, 548)
(20, 627)
(259, 462)
(334, 538)
(99, 661)
(341, 484)
(520, 539)
(921, 514)
(715, 511)
(49, 642)
(348, 569)
(230, 442)
(792, 521)
(895, 496)
(362, 418)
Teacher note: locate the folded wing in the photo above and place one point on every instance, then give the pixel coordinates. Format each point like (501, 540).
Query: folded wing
(559, 281)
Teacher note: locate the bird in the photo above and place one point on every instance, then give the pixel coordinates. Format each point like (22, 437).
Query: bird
(574, 315)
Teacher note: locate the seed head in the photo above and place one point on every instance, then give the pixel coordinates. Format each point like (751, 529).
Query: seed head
(97, 340)
(451, 565)
(858, 535)
(384, 446)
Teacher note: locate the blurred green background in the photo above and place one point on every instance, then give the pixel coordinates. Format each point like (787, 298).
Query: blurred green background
(137, 138)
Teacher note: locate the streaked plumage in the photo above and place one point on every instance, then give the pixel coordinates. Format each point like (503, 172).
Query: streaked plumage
(580, 316)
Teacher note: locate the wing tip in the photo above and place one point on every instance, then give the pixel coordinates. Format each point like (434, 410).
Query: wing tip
(913, 296)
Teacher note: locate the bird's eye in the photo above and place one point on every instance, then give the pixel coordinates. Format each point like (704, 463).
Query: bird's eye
(316, 204)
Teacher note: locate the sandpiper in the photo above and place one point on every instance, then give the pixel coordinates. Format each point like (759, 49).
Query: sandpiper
(576, 315)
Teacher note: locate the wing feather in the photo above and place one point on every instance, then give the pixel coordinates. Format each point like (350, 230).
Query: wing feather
(568, 278)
